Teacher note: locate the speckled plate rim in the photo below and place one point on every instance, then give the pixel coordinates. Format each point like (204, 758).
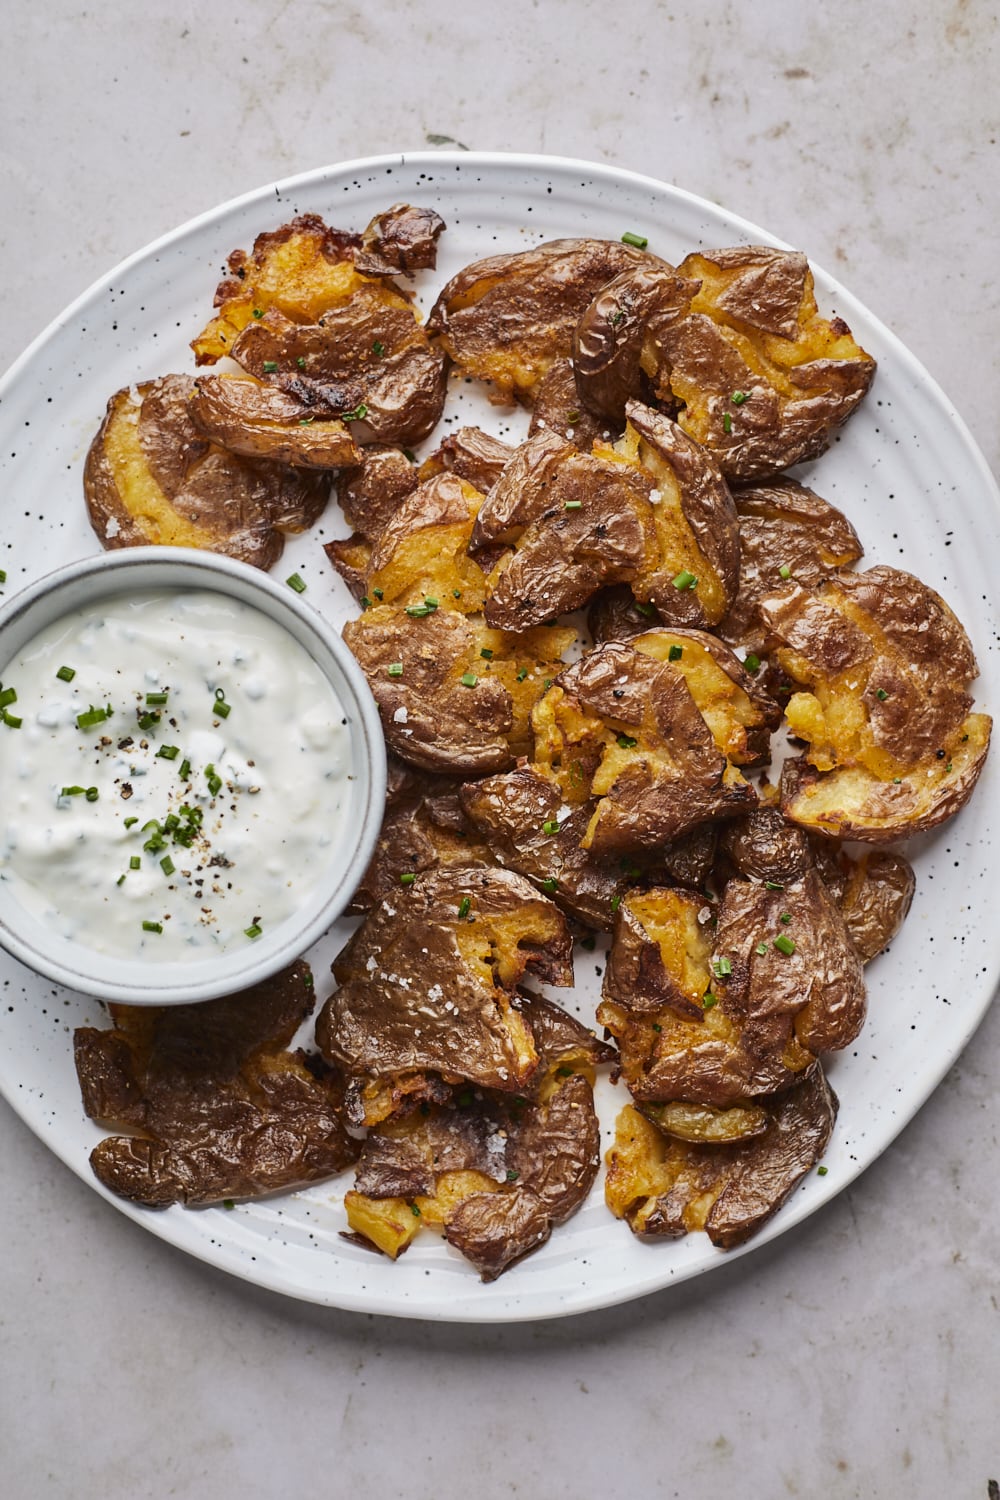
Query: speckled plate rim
(510, 1300)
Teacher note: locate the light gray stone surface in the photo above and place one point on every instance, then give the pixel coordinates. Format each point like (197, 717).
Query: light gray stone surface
(858, 1356)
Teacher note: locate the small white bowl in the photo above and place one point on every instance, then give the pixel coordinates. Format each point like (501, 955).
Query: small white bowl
(151, 981)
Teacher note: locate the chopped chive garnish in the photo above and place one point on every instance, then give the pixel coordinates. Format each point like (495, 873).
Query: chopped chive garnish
(463, 908)
(722, 967)
(421, 611)
(222, 708)
(752, 662)
(618, 317)
(66, 674)
(91, 794)
(616, 901)
(638, 240)
(550, 885)
(228, 1203)
(785, 918)
(72, 791)
(170, 822)
(486, 654)
(258, 312)
(773, 885)
(130, 822)
(156, 700)
(821, 1171)
(168, 752)
(120, 880)
(149, 721)
(644, 609)
(408, 878)
(675, 653)
(761, 949)
(546, 684)
(784, 944)
(296, 582)
(185, 771)
(3, 575)
(414, 1210)
(522, 674)
(378, 348)
(784, 571)
(152, 926)
(270, 366)
(11, 720)
(306, 421)
(573, 505)
(167, 865)
(300, 362)
(357, 414)
(7, 696)
(93, 716)
(626, 742)
(881, 694)
(214, 780)
(378, 593)
(727, 423)
(738, 398)
(572, 416)
(395, 669)
(468, 679)
(708, 1000)
(456, 593)
(135, 863)
(551, 826)
(684, 580)
(253, 931)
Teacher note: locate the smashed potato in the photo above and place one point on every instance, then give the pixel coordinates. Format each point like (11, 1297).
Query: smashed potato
(664, 1186)
(883, 668)
(215, 1106)
(151, 479)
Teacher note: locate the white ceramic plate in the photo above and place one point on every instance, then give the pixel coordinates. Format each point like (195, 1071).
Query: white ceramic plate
(905, 470)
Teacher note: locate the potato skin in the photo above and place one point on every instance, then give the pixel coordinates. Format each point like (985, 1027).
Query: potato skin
(222, 1110)
(576, 522)
(509, 317)
(261, 421)
(411, 962)
(619, 337)
(151, 478)
(783, 525)
(471, 454)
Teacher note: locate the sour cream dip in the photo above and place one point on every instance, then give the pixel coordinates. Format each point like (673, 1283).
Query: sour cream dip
(174, 775)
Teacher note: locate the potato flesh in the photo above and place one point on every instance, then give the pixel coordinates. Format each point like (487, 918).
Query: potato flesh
(670, 920)
(643, 1165)
(296, 278)
(148, 505)
(725, 707)
(388, 1223)
(678, 547)
(433, 562)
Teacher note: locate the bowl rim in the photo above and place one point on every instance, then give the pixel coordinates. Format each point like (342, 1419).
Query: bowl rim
(137, 981)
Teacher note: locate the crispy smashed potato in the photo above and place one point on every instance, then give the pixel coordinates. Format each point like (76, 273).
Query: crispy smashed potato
(693, 573)
(426, 985)
(508, 318)
(883, 668)
(623, 727)
(216, 1107)
(665, 1186)
(260, 421)
(783, 526)
(152, 479)
(575, 523)
(618, 344)
(424, 826)
(718, 1017)
(763, 380)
